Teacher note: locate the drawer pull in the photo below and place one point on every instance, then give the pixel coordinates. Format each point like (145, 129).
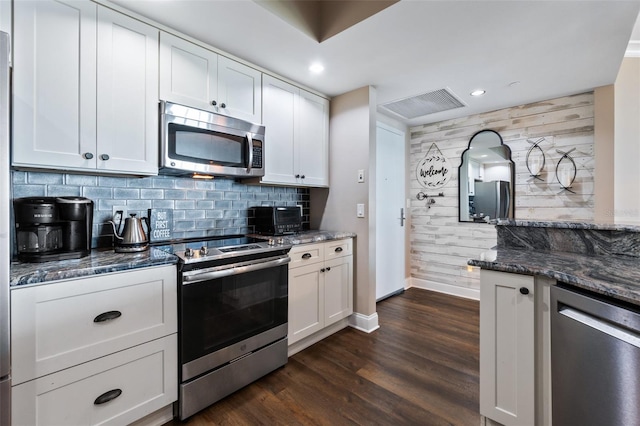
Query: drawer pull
(107, 316)
(108, 396)
(306, 256)
(338, 249)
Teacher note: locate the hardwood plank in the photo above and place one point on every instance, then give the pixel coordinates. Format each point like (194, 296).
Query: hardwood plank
(420, 367)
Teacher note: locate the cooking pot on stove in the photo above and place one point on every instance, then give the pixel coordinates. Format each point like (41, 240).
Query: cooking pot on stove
(133, 237)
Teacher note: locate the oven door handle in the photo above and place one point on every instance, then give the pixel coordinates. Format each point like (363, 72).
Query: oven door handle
(198, 276)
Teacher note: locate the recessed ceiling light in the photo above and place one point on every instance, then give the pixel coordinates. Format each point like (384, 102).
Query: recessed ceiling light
(316, 68)
(478, 92)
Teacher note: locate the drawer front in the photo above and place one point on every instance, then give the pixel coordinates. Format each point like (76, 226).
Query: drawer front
(66, 323)
(306, 254)
(144, 378)
(338, 248)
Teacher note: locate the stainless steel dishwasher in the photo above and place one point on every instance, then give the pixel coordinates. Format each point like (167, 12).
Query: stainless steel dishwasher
(595, 359)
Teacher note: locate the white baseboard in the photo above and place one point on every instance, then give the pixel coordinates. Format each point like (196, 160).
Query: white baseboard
(467, 293)
(363, 322)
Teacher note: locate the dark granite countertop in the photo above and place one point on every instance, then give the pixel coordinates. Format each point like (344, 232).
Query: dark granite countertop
(603, 258)
(100, 261)
(307, 237)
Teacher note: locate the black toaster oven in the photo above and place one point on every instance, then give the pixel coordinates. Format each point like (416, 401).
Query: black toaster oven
(269, 220)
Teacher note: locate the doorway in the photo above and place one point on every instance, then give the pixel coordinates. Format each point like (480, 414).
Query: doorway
(390, 211)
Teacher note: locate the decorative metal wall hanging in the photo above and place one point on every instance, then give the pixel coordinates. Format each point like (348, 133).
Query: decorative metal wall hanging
(567, 174)
(433, 171)
(430, 198)
(535, 163)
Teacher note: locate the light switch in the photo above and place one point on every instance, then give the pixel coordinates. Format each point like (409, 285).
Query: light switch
(360, 210)
(360, 176)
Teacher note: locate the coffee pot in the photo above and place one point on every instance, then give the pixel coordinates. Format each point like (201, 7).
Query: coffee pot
(133, 237)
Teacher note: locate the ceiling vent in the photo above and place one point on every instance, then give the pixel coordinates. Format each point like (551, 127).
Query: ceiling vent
(428, 103)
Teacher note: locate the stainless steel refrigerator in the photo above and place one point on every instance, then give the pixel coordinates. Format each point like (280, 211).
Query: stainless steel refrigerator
(492, 198)
(5, 252)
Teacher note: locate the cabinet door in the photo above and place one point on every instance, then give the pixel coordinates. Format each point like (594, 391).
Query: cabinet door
(306, 301)
(127, 94)
(280, 102)
(188, 73)
(507, 373)
(313, 140)
(146, 376)
(240, 90)
(54, 84)
(338, 289)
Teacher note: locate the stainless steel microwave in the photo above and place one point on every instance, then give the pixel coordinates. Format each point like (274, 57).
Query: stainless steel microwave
(197, 142)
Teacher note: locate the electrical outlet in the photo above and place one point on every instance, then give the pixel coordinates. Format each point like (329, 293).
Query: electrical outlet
(360, 176)
(114, 209)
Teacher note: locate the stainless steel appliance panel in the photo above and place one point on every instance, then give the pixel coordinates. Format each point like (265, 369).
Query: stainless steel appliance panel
(5, 252)
(595, 359)
(492, 199)
(204, 391)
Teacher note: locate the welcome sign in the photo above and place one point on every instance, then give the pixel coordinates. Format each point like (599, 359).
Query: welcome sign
(434, 170)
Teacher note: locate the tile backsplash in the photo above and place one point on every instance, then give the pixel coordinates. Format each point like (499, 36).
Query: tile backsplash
(200, 207)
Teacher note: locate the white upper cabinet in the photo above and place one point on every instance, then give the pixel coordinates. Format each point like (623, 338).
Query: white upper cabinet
(127, 94)
(296, 135)
(54, 84)
(194, 76)
(85, 89)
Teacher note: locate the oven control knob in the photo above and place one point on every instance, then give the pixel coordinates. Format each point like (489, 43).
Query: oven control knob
(204, 251)
(271, 242)
(188, 252)
(280, 241)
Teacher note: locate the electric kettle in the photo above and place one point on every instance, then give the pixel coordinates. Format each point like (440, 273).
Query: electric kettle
(133, 237)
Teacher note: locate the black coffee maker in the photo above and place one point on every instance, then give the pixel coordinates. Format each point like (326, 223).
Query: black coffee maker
(53, 228)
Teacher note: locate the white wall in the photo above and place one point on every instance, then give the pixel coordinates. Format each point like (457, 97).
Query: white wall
(627, 143)
(440, 245)
(352, 148)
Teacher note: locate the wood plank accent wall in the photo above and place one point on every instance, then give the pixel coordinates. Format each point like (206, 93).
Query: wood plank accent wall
(440, 245)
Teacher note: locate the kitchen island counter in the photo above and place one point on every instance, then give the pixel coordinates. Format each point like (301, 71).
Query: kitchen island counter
(100, 261)
(601, 258)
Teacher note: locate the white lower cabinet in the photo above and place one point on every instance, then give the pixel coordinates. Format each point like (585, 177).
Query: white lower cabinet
(515, 355)
(320, 289)
(115, 390)
(96, 350)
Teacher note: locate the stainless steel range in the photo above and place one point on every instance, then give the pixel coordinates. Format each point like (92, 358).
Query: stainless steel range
(232, 316)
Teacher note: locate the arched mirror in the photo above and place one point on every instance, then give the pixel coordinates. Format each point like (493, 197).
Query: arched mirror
(486, 179)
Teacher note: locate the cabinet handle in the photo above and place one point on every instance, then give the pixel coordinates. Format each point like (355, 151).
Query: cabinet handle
(322, 270)
(338, 249)
(328, 268)
(524, 290)
(214, 103)
(306, 256)
(108, 396)
(104, 157)
(302, 176)
(223, 105)
(297, 176)
(87, 156)
(107, 316)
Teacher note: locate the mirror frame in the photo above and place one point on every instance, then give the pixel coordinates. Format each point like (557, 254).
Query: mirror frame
(512, 192)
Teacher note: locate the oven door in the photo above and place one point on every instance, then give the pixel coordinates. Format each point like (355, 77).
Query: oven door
(228, 312)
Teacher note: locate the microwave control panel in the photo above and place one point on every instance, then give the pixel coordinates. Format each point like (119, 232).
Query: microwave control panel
(257, 157)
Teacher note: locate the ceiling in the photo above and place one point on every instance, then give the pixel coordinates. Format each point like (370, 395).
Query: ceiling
(518, 51)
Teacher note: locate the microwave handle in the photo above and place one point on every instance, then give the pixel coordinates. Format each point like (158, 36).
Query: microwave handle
(250, 139)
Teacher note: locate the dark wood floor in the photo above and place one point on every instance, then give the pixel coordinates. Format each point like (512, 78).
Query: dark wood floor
(419, 368)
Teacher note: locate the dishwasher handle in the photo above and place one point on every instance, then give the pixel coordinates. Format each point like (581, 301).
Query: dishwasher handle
(602, 326)
(234, 269)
